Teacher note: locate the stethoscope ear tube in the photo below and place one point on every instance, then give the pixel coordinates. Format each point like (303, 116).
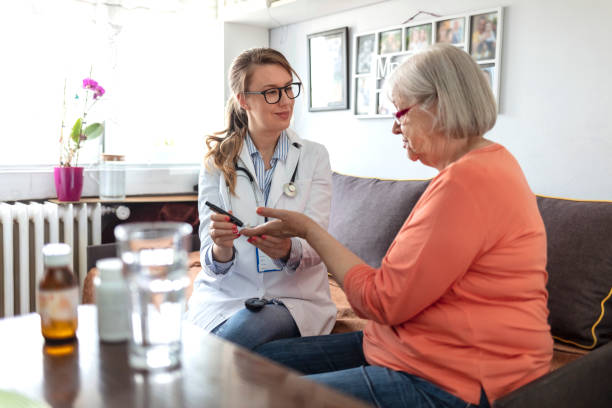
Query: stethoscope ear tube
(248, 173)
(289, 189)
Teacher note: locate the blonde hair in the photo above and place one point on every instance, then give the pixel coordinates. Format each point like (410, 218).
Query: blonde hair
(224, 147)
(447, 79)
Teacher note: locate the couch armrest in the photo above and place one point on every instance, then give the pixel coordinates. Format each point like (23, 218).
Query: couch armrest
(585, 382)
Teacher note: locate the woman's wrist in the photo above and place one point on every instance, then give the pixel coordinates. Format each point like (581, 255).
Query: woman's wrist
(288, 253)
(222, 254)
(311, 229)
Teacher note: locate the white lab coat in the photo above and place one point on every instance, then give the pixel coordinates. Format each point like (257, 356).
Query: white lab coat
(305, 291)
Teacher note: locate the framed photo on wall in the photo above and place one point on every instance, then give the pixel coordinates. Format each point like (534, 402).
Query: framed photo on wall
(383, 105)
(418, 37)
(363, 98)
(365, 51)
(451, 31)
(489, 72)
(483, 42)
(390, 41)
(328, 70)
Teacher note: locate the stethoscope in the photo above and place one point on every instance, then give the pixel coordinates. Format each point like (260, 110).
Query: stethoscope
(289, 189)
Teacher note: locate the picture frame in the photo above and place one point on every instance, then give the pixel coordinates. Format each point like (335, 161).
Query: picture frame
(390, 41)
(451, 31)
(483, 36)
(328, 70)
(489, 72)
(418, 37)
(384, 106)
(363, 96)
(365, 50)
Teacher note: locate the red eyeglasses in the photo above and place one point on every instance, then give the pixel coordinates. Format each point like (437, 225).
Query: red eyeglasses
(401, 113)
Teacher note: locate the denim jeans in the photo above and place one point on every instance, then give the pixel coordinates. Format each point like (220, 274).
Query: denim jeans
(250, 329)
(337, 361)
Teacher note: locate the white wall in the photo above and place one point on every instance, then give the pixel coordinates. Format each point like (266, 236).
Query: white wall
(237, 38)
(555, 100)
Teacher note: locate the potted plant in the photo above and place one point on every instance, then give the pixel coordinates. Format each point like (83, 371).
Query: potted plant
(68, 175)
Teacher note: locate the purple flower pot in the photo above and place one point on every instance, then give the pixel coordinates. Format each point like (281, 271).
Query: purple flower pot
(68, 183)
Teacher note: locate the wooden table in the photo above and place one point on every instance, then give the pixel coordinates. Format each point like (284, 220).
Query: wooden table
(214, 373)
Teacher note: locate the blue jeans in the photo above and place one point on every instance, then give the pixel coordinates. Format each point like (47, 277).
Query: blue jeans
(250, 329)
(337, 361)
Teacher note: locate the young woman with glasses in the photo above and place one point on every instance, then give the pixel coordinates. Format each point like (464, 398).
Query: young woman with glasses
(254, 290)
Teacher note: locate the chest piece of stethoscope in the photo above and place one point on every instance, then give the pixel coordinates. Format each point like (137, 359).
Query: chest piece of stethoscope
(290, 190)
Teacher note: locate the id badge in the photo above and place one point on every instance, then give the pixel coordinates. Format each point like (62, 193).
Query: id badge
(265, 263)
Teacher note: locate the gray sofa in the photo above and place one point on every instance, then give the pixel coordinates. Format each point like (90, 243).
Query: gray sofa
(367, 213)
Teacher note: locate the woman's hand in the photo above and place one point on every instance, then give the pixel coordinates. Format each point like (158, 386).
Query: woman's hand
(274, 247)
(223, 233)
(286, 225)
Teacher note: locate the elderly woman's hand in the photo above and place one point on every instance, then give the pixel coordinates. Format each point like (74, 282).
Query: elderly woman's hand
(287, 224)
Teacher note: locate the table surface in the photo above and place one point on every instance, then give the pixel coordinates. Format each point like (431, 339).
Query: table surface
(213, 373)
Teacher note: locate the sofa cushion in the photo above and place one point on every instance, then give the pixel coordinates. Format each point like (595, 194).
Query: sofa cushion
(582, 383)
(367, 213)
(579, 235)
(346, 318)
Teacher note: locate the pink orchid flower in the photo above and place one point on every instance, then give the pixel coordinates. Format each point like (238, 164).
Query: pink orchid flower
(89, 83)
(98, 91)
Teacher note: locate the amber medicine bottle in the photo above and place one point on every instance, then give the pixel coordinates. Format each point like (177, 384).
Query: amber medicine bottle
(58, 296)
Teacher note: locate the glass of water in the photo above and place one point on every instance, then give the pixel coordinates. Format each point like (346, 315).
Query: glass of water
(154, 257)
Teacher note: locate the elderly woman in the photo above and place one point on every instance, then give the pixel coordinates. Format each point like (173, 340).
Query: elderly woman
(457, 310)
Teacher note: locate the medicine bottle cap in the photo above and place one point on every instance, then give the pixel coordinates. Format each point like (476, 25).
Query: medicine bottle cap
(56, 254)
(110, 269)
(112, 157)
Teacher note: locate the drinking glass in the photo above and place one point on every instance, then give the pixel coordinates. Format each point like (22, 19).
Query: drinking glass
(112, 177)
(154, 257)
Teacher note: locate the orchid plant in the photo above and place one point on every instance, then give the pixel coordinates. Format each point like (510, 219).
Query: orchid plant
(81, 132)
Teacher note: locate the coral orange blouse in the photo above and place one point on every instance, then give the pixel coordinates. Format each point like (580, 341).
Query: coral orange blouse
(460, 297)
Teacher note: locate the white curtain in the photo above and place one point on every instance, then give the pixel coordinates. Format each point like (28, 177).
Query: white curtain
(155, 58)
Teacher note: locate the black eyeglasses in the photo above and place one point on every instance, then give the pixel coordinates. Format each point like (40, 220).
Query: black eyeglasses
(273, 95)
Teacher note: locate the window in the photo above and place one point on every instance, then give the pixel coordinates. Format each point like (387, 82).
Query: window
(159, 61)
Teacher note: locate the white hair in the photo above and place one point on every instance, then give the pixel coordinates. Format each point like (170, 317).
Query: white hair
(446, 81)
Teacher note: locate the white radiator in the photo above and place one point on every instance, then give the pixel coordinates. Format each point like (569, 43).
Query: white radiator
(25, 228)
